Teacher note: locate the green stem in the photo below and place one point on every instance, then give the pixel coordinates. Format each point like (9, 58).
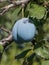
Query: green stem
(22, 10)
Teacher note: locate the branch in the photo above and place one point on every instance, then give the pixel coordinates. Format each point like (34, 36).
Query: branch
(2, 1)
(4, 9)
(6, 40)
(6, 30)
(46, 3)
(14, 3)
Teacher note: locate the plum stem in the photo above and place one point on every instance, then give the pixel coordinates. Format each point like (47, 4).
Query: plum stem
(23, 5)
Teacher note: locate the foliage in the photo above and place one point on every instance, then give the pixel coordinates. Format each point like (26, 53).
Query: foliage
(30, 54)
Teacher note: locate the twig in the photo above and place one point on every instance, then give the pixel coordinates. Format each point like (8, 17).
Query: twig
(6, 8)
(6, 30)
(6, 40)
(14, 3)
(46, 3)
(2, 1)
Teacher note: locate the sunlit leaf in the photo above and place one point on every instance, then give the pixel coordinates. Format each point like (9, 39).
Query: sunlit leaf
(42, 52)
(37, 11)
(45, 62)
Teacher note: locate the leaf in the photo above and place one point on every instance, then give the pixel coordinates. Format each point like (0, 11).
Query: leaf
(40, 1)
(29, 53)
(21, 55)
(1, 48)
(42, 52)
(45, 62)
(15, 14)
(37, 11)
(35, 63)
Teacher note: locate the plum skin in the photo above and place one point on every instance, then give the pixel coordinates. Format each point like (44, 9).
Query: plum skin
(23, 30)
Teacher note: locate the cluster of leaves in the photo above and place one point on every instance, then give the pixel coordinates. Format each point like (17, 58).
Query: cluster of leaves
(31, 54)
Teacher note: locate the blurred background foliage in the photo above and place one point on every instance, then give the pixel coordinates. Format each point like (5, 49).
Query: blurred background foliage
(30, 54)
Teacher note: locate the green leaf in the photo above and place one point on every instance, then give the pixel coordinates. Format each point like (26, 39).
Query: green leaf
(22, 55)
(45, 62)
(1, 48)
(37, 11)
(40, 1)
(42, 52)
(29, 53)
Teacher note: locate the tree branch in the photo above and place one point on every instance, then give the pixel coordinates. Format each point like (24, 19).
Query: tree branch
(2, 1)
(14, 3)
(6, 40)
(6, 30)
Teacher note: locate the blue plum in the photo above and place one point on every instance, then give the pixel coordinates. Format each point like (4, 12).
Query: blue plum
(23, 30)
